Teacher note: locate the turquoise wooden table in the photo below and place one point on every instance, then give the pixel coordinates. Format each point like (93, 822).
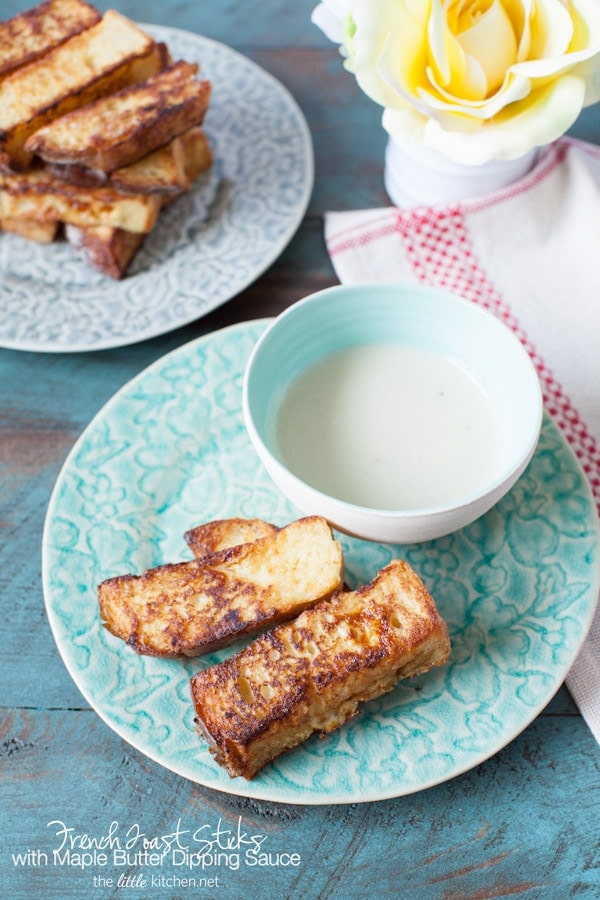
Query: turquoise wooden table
(523, 822)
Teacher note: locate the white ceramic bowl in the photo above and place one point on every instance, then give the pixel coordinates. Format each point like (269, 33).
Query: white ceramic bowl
(439, 329)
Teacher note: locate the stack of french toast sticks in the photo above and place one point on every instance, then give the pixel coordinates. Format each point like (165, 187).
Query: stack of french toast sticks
(99, 129)
(322, 648)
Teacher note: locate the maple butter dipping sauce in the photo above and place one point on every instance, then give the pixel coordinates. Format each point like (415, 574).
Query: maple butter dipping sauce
(389, 427)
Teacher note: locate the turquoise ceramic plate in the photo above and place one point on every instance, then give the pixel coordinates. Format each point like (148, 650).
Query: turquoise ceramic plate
(517, 588)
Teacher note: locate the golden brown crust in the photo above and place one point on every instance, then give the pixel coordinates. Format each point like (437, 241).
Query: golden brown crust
(254, 705)
(220, 534)
(118, 130)
(195, 607)
(197, 153)
(61, 63)
(98, 61)
(310, 674)
(37, 194)
(30, 34)
(164, 174)
(105, 249)
(169, 170)
(80, 176)
(41, 232)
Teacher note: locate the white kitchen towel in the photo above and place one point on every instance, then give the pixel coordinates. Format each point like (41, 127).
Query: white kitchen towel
(530, 253)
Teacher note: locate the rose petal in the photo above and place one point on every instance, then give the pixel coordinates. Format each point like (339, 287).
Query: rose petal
(470, 90)
(405, 122)
(449, 66)
(514, 89)
(400, 68)
(519, 12)
(538, 120)
(586, 24)
(546, 68)
(330, 17)
(552, 30)
(398, 44)
(491, 41)
(331, 26)
(590, 72)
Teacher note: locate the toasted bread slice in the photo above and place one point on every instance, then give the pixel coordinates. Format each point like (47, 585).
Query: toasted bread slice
(38, 195)
(197, 606)
(105, 249)
(220, 534)
(197, 154)
(28, 35)
(168, 170)
(80, 176)
(117, 130)
(310, 675)
(41, 232)
(102, 59)
(110, 250)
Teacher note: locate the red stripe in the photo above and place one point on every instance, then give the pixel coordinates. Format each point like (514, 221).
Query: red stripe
(365, 233)
(361, 234)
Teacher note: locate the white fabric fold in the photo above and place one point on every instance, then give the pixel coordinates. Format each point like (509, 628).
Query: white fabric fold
(531, 254)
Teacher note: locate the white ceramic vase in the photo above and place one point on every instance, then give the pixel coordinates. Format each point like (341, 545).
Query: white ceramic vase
(415, 175)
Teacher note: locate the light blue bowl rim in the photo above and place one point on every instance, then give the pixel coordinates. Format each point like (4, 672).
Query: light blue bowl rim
(407, 293)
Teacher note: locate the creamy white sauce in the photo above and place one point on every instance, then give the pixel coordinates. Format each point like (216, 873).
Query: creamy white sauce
(389, 427)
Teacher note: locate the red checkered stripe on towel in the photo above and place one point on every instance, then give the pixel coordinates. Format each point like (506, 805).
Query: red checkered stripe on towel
(441, 254)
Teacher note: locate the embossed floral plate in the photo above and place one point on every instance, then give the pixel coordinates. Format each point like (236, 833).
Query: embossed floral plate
(207, 246)
(169, 451)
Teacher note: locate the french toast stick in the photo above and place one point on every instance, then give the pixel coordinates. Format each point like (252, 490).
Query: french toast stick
(102, 59)
(117, 130)
(310, 674)
(107, 250)
(165, 173)
(168, 170)
(194, 607)
(37, 194)
(220, 534)
(40, 232)
(28, 35)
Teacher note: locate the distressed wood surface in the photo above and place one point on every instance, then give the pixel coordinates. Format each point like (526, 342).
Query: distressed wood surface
(523, 824)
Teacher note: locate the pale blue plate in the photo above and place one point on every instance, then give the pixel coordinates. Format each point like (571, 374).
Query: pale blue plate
(518, 588)
(207, 246)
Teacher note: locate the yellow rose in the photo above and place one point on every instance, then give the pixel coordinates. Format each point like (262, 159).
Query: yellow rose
(473, 79)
